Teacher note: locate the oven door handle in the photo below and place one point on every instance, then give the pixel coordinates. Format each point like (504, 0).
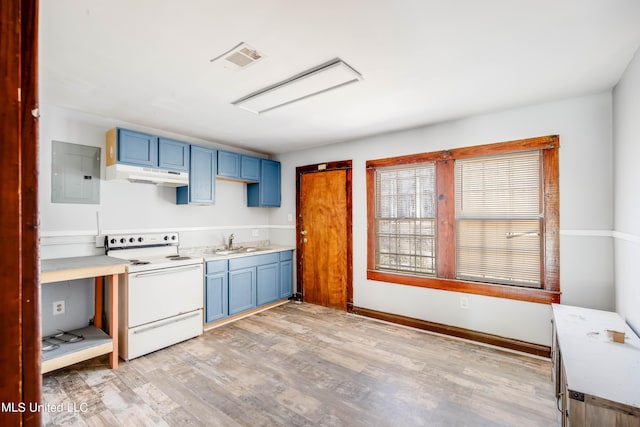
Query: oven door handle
(167, 271)
(169, 322)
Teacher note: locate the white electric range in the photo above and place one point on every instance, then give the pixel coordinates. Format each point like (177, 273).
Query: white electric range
(161, 299)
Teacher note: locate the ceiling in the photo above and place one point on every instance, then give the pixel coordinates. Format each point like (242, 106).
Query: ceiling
(147, 62)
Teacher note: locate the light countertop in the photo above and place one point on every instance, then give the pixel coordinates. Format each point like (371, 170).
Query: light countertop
(209, 253)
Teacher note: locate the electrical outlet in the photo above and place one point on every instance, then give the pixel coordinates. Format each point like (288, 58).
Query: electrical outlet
(290, 217)
(255, 232)
(58, 307)
(464, 302)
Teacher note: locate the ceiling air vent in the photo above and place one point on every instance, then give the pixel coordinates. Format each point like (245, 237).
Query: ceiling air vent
(238, 57)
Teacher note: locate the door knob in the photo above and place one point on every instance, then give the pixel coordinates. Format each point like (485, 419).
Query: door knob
(303, 232)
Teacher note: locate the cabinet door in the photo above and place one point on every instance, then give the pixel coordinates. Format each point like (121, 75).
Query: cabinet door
(286, 278)
(268, 283)
(228, 164)
(242, 290)
(267, 191)
(216, 297)
(173, 155)
(202, 169)
(250, 168)
(137, 148)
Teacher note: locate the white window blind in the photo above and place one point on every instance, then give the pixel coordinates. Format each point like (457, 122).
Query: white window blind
(499, 219)
(405, 219)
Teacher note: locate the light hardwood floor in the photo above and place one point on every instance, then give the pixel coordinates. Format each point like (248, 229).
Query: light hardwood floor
(306, 365)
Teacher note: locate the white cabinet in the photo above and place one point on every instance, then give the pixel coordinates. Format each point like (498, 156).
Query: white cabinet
(597, 380)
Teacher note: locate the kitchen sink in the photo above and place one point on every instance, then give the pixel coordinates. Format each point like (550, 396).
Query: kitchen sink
(239, 250)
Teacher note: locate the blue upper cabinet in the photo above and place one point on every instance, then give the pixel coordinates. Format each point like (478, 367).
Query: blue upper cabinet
(137, 148)
(249, 168)
(228, 164)
(238, 166)
(267, 192)
(202, 178)
(173, 155)
(143, 149)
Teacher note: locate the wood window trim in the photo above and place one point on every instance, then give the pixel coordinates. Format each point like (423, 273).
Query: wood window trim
(445, 267)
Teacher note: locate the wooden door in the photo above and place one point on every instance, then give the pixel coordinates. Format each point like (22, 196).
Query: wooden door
(324, 235)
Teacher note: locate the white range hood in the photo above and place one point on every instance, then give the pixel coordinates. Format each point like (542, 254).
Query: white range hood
(165, 178)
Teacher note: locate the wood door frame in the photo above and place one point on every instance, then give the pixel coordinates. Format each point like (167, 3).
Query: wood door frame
(319, 168)
(20, 353)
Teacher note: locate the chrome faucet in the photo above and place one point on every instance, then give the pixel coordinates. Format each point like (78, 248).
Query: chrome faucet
(230, 245)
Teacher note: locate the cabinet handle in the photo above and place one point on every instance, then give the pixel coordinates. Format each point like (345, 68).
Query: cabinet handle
(167, 271)
(163, 324)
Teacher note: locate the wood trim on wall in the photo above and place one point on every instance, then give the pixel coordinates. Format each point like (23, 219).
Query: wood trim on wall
(446, 237)
(19, 291)
(551, 233)
(540, 296)
(323, 167)
(528, 144)
(509, 343)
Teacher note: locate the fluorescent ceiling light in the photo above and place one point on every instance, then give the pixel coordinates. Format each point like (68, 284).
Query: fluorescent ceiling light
(323, 78)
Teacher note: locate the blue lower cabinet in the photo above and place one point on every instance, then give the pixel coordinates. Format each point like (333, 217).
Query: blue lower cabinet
(286, 274)
(216, 297)
(216, 290)
(268, 283)
(242, 290)
(239, 284)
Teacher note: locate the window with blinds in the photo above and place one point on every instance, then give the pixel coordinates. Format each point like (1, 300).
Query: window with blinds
(499, 219)
(405, 219)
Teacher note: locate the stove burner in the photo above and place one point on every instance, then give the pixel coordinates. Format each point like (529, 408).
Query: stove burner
(138, 262)
(177, 257)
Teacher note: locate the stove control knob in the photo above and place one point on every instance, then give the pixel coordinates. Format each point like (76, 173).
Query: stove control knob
(166, 237)
(113, 241)
(173, 237)
(132, 240)
(123, 240)
(140, 239)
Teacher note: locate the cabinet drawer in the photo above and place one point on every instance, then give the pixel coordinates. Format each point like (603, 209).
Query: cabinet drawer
(286, 255)
(216, 266)
(253, 261)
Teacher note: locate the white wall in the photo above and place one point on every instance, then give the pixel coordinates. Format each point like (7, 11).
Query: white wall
(626, 115)
(586, 215)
